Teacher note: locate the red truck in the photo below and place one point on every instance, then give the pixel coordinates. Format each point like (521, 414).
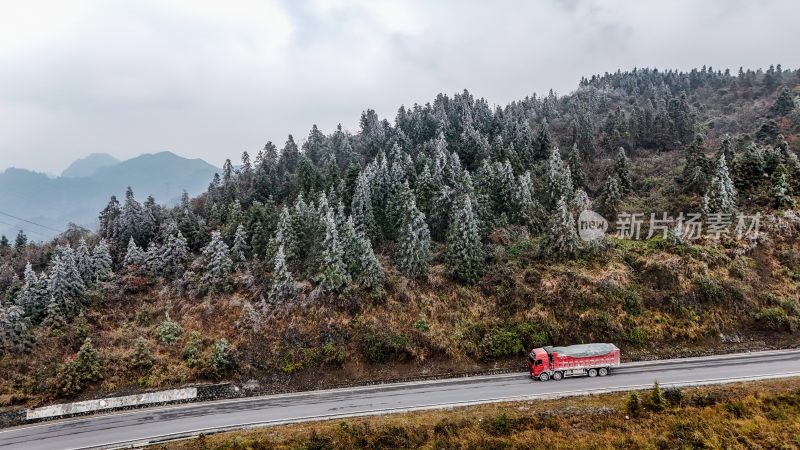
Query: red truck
(573, 361)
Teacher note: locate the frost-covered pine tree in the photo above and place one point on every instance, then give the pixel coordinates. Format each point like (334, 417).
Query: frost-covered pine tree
(350, 247)
(134, 256)
(414, 246)
(332, 274)
(562, 239)
(65, 285)
(15, 330)
(101, 262)
(33, 296)
(559, 179)
(465, 256)
(720, 196)
(371, 275)
(396, 209)
(83, 260)
(153, 264)
(132, 220)
(361, 205)
(283, 233)
(283, 288)
(622, 171)
(217, 263)
(575, 162)
(782, 192)
(580, 202)
(527, 210)
(240, 247)
(610, 197)
(174, 254)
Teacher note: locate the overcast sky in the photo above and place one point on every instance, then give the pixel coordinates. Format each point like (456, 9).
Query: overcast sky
(210, 79)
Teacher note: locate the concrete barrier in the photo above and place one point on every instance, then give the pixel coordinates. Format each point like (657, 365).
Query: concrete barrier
(128, 401)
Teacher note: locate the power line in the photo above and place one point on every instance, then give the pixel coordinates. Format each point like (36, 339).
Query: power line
(30, 222)
(29, 231)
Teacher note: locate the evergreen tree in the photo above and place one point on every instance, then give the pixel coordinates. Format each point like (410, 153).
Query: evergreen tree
(66, 285)
(465, 256)
(141, 357)
(132, 221)
(174, 254)
(695, 167)
(110, 220)
(217, 264)
(240, 248)
(414, 247)
(750, 168)
(371, 275)
(559, 180)
(283, 286)
(21, 241)
(4, 244)
(33, 296)
(153, 264)
(633, 404)
(622, 171)
(83, 261)
(610, 198)
(15, 330)
(720, 196)
(89, 365)
(782, 192)
(332, 275)
(101, 262)
(657, 401)
(134, 256)
(575, 162)
(784, 103)
(351, 255)
(527, 210)
(562, 239)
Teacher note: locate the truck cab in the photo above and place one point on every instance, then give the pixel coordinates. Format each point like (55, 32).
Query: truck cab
(538, 361)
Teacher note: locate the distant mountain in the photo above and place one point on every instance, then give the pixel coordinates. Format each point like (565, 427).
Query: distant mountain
(87, 166)
(55, 202)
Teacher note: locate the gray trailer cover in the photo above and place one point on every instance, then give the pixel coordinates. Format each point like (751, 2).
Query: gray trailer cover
(583, 350)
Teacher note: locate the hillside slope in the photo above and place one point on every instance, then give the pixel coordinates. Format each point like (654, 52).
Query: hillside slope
(445, 242)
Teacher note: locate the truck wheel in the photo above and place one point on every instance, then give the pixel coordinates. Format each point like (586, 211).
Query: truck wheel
(544, 376)
(602, 372)
(558, 376)
(592, 372)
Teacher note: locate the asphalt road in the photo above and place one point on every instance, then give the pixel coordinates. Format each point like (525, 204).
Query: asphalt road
(139, 427)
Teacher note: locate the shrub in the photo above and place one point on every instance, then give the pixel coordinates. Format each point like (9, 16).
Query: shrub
(169, 331)
(499, 425)
(500, 342)
(191, 352)
(773, 319)
(219, 361)
(633, 405)
(708, 289)
(657, 401)
(141, 358)
(637, 337)
(88, 360)
(379, 346)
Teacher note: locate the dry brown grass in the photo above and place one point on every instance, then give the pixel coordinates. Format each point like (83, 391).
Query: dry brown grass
(741, 416)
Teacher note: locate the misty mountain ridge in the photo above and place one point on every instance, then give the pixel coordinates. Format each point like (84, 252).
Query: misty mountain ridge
(86, 185)
(87, 166)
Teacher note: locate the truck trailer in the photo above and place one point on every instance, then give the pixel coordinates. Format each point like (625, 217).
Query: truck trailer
(589, 360)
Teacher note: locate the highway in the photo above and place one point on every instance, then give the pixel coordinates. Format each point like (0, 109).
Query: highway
(138, 427)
